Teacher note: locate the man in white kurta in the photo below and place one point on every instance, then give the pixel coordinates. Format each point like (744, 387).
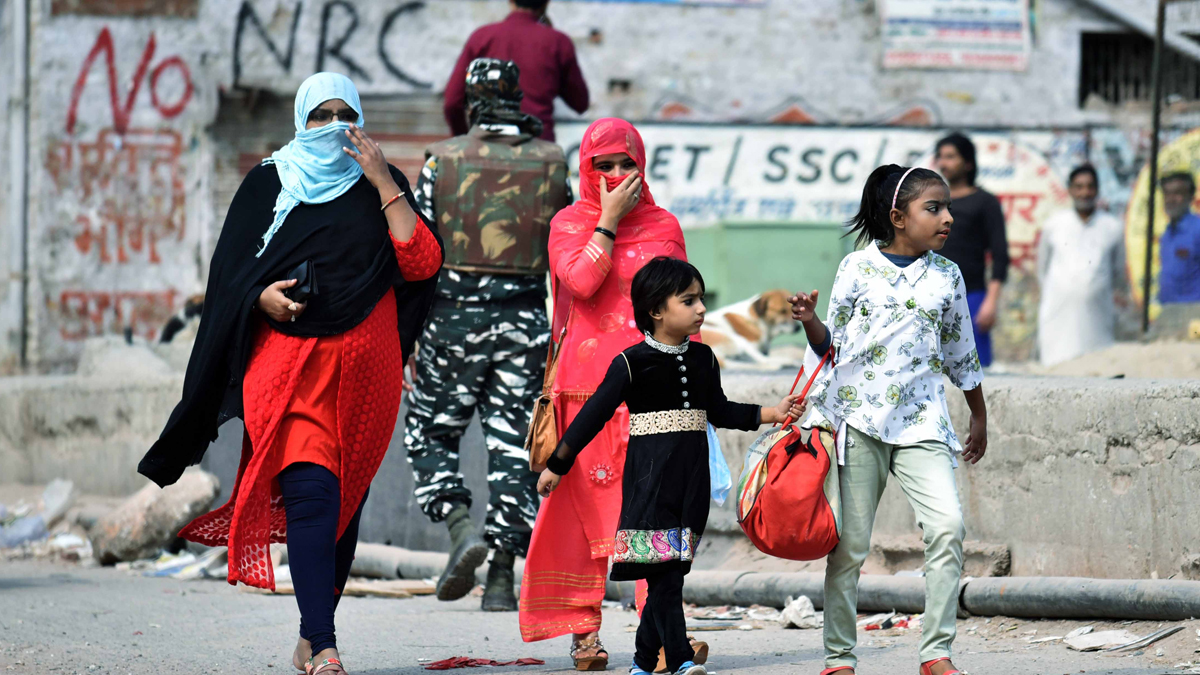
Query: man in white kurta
(1081, 269)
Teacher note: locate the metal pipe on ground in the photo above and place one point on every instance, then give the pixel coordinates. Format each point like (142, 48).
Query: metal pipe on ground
(380, 561)
(1031, 597)
(876, 593)
(1078, 598)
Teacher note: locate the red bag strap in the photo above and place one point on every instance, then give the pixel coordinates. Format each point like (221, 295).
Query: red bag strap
(828, 358)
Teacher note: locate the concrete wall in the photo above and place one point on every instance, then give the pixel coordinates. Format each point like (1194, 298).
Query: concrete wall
(120, 201)
(1083, 476)
(818, 60)
(91, 430)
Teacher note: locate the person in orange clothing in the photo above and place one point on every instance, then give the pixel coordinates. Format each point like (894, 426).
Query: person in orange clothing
(320, 282)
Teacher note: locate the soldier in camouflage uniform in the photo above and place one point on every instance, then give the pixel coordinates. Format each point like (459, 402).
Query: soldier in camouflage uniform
(491, 193)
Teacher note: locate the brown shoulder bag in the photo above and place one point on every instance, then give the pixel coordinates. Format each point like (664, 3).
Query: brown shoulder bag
(542, 438)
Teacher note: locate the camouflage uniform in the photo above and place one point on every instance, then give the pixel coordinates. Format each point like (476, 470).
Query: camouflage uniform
(486, 340)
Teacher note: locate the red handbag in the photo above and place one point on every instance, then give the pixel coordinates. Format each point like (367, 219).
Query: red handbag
(788, 491)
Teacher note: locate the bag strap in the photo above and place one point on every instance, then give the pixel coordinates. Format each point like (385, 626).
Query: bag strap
(828, 358)
(553, 351)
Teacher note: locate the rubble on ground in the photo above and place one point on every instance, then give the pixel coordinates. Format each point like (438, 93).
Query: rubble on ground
(151, 519)
(800, 613)
(41, 528)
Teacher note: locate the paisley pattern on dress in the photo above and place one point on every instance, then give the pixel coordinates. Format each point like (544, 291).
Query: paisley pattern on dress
(655, 546)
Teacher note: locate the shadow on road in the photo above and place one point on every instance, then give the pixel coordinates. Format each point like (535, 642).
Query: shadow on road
(52, 580)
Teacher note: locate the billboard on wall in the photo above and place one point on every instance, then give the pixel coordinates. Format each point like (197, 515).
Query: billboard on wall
(957, 34)
(711, 174)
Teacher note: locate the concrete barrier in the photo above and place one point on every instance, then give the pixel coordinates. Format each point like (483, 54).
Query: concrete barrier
(91, 430)
(1083, 477)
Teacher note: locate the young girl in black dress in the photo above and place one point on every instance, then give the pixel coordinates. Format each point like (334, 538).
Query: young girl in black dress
(673, 390)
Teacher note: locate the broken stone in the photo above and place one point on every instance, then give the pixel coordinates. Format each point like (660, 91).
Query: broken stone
(1191, 567)
(151, 519)
(56, 499)
(800, 613)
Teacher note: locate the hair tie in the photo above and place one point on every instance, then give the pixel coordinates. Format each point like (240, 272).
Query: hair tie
(897, 193)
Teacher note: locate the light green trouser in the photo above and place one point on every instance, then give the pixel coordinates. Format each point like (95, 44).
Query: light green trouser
(926, 475)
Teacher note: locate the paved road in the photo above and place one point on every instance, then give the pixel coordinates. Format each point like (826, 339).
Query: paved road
(62, 619)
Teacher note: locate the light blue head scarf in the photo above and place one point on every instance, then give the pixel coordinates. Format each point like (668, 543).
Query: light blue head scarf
(312, 168)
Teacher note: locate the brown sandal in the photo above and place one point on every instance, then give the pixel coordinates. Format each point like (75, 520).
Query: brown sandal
(701, 657)
(599, 661)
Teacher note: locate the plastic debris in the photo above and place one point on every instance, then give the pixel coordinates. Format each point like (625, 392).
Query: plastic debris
(71, 547)
(800, 613)
(1148, 640)
(22, 531)
(468, 662)
(875, 620)
(168, 564)
(213, 564)
(1082, 630)
(1093, 642)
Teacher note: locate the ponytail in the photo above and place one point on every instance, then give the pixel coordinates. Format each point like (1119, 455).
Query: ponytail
(883, 192)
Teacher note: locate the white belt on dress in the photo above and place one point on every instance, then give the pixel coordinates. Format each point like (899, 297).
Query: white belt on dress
(666, 421)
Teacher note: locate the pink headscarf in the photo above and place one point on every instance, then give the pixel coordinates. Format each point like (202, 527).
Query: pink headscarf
(602, 325)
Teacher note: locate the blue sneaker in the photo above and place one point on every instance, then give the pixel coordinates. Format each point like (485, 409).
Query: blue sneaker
(635, 669)
(689, 668)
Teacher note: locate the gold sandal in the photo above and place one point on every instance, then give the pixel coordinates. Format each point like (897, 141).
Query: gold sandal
(589, 663)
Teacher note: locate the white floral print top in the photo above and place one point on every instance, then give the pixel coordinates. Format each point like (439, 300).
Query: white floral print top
(894, 333)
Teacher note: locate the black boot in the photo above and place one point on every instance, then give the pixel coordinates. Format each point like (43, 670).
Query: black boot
(467, 552)
(498, 595)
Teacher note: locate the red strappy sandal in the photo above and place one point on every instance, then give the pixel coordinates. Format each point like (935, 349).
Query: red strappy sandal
(830, 671)
(927, 667)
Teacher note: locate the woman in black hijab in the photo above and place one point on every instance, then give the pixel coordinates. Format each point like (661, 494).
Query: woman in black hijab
(316, 379)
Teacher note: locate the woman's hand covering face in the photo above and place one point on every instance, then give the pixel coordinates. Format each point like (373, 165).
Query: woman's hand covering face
(369, 156)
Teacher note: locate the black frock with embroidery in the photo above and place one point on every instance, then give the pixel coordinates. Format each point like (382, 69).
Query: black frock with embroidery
(672, 392)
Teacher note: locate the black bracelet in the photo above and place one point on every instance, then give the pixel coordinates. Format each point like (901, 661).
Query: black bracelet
(608, 233)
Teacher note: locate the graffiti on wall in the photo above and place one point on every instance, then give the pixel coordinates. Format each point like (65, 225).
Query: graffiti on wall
(365, 41)
(116, 250)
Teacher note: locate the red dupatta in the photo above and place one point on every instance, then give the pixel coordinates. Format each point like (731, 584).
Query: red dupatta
(601, 320)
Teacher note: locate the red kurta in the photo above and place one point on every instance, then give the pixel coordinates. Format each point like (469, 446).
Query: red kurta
(330, 401)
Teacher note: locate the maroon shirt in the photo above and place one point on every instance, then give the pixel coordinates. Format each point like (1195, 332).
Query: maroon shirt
(545, 56)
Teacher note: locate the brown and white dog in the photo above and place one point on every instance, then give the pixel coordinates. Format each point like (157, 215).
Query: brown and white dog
(743, 331)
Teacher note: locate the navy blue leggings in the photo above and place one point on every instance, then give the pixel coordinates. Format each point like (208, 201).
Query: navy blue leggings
(319, 561)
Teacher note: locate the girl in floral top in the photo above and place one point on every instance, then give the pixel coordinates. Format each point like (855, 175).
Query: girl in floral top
(898, 321)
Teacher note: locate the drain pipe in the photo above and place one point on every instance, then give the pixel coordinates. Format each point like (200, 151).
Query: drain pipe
(1031, 597)
(1076, 598)
(18, 129)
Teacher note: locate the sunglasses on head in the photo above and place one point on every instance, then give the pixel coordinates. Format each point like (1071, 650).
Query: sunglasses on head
(321, 115)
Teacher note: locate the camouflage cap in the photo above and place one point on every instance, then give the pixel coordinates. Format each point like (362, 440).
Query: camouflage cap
(494, 95)
(493, 79)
